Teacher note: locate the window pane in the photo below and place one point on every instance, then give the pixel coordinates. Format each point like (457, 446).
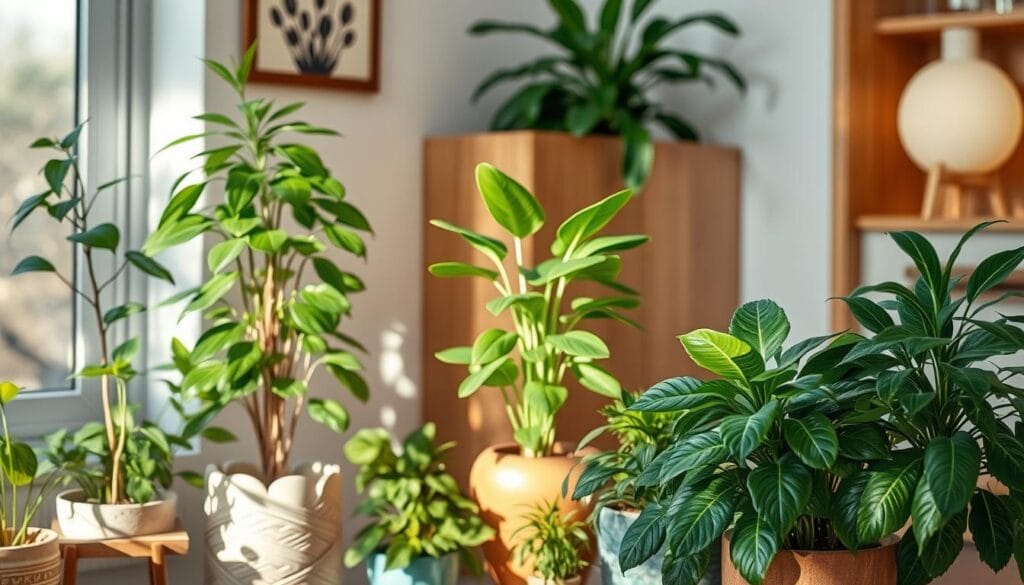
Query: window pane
(37, 98)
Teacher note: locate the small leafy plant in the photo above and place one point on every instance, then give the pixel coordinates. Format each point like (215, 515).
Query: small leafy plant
(946, 397)
(19, 468)
(547, 334)
(779, 439)
(553, 542)
(415, 506)
(262, 352)
(117, 441)
(602, 79)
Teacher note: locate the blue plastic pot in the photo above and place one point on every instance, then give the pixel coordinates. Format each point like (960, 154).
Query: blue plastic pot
(422, 571)
(612, 526)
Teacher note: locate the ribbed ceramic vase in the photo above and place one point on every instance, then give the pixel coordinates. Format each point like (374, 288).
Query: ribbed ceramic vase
(37, 563)
(421, 571)
(286, 534)
(611, 527)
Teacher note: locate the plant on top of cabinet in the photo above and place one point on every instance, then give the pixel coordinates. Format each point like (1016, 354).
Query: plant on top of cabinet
(600, 83)
(547, 340)
(777, 438)
(421, 524)
(944, 386)
(135, 460)
(554, 544)
(274, 213)
(27, 554)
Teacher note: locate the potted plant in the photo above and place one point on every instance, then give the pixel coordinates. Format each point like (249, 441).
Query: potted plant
(27, 554)
(277, 216)
(770, 454)
(528, 365)
(554, 544)
(946, 393)
(601, 80)
(421, 524)
(611, 478)
(126, 494)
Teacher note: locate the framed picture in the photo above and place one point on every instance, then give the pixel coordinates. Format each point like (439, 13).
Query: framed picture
(322, 43)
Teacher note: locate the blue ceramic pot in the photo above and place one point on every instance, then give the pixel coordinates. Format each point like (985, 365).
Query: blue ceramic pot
(612, 526)
(422, 571)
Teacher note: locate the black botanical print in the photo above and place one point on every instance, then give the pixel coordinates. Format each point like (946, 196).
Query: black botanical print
(316, 39)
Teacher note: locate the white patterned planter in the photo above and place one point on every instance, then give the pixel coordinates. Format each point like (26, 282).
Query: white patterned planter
(80, 519)
(284, 534)
(36, 564)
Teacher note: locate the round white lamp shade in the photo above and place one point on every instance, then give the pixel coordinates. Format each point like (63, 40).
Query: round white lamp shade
(961, 112)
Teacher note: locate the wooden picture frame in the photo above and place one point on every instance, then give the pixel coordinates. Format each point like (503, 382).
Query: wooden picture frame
(306, 42)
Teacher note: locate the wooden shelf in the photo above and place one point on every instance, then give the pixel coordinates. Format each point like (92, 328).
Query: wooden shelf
(889, 223)
(932, 24)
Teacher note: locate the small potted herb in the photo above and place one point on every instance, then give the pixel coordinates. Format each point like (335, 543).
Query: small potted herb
(421, 524)
(27, 554)
(554, 544)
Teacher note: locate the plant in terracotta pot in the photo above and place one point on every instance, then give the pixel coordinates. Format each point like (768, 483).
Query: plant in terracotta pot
(27, 554)
(273, 214)
(528, 364)
(554, 544)
(124, 487)
(770, 454)
(610, 477)
(421, 524)
(600, 81)
(947, 394)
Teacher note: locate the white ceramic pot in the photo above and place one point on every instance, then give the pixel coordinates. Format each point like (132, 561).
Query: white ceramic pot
(540, 581)
(37, 563)
(286, 534)
(83, 520)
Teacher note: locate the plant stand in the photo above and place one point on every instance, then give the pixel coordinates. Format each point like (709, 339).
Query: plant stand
(155, 547)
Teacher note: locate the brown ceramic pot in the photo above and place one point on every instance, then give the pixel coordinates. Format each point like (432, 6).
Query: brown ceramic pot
(507, 485)
(37, 563)
(870, 566)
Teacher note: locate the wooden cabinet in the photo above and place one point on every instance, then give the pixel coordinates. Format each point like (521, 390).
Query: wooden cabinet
(688, 273)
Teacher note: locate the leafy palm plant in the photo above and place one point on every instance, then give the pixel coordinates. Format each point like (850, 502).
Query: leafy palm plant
(944, 391)
(553, 542)
(291, 295)
(767, 449)
(415, 506)
(547, 333)
(67, 200)
(602, 80)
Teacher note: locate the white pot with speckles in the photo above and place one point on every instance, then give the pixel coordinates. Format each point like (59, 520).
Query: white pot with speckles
(81, 519)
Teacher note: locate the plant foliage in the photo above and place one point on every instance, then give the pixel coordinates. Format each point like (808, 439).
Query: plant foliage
(547, 319)
(415, 506)
(262, 351)
(553, 542)
(601, 79)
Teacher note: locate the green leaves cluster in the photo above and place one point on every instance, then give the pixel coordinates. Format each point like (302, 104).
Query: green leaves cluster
(415, 506)
(601, 79)
(944, 394)
(275, 298)
(768, 448)
(555, 543)
(547, 335)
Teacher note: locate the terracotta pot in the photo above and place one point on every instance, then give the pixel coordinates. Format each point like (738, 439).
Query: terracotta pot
(869, 566)
(285, 533)
(83, 520)
(37, 563)
(535, 580)
(507, 486)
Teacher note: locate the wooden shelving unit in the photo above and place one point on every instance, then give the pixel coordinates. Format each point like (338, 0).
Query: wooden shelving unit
(876, 186)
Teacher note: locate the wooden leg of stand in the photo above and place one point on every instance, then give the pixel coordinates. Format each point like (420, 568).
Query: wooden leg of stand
(931, 192)
(997, 198)
(70, 565)
(954, 201)
(157, 568)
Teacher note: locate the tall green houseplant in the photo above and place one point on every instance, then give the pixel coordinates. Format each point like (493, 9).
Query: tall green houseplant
(602, 78)
(261, 351)
(528, 365)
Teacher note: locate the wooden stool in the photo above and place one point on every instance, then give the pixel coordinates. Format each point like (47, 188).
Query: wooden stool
(954, 196)
(155, 547)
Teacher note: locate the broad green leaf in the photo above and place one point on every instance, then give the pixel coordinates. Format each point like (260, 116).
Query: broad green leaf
(329, 413)
(491, 345)
(223, 254)
(1004, 455)
(951, 466)
(476, 380)
(597, 380)
(33, 264)
(345, 239)
(288, 387)
(545, 399)
(583, 224)
(305, 158)
(579, 344)
(992, 528)
(55, 172)
(863, 442)
(606, 244)
(216, 339)
(555, 268)
(753, 547)
(845, 506)
(455, 355)
(212, 291)
(869, 314)
(716, 352)
(928, 519)
(689, 453)
(27, 207)
(813, 439)
(702, 518)
(510, 204)
(780, 491)
(126, 351)
(218, 435)
(18, 463)
(352, 381)
(490, 247)
(673, 394)
(269, 241)
(105, 236)
(638, 153)
(149, 266)
(531, 302)
(992, 271)
(644, 537)
(743, 434)
(909, 568)
(920, 250)
(459, 269)
(762, 325)
(939, 554)
(181, 203)
(175, 232)
(886, 501)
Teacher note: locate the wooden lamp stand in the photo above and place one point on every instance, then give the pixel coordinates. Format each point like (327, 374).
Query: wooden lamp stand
(954, 196)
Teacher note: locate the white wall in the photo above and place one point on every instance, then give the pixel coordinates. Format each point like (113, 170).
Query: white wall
(429, 69)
